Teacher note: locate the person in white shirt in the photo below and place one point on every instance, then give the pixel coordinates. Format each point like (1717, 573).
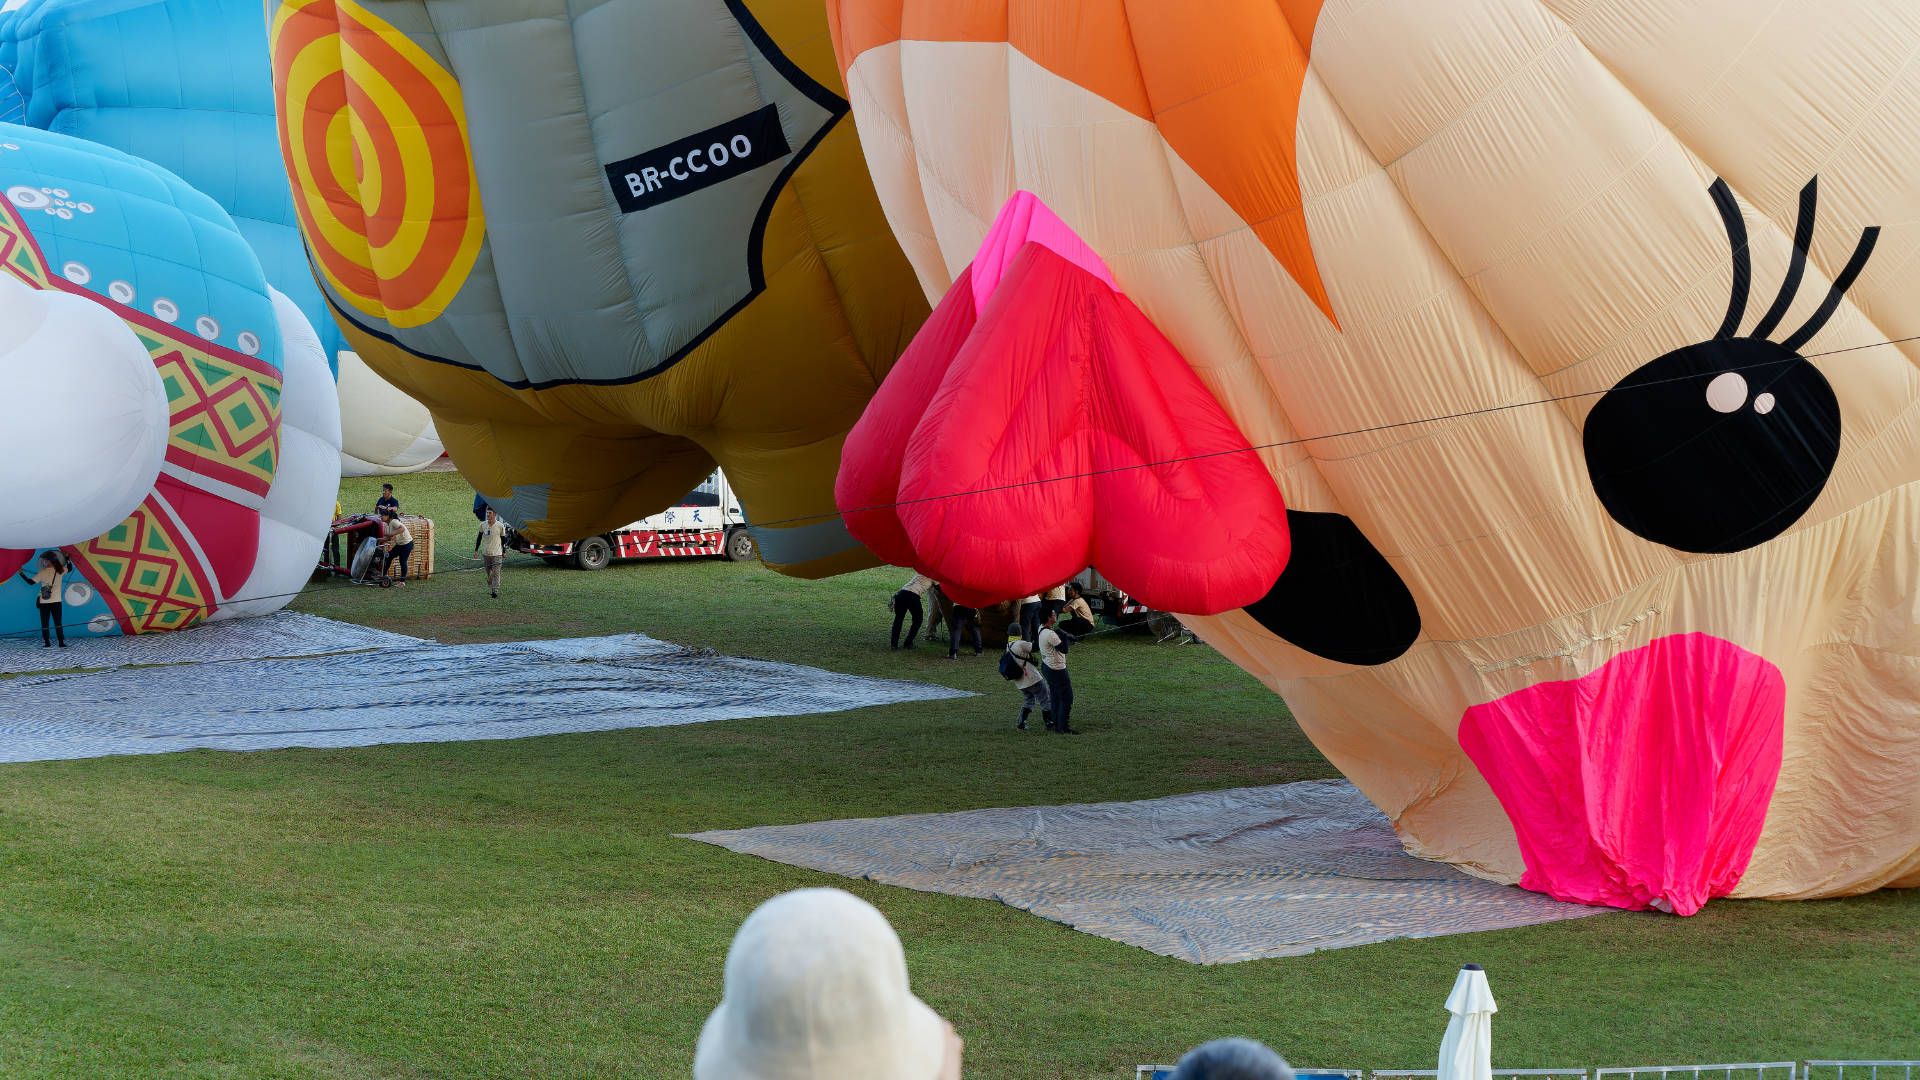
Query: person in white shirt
(1054, 602)
(911, 599)
(1030, 617)
(1033, 689)
(398, 540)
(1053, 668)
(492, 546)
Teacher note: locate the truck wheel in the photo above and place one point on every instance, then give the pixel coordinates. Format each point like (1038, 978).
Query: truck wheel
(593, 553)
(740, 546)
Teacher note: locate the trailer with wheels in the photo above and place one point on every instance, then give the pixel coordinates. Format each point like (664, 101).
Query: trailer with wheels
(708, 523)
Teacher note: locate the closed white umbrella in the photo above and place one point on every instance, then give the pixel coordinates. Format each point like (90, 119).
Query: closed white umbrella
(1467, 1051)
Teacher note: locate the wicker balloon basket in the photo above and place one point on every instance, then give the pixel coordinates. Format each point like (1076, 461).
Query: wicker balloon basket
(420, 566)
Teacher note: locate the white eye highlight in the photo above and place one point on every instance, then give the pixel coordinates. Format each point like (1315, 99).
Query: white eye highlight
(1727, 392)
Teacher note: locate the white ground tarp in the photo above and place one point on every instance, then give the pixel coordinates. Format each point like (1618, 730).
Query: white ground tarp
(416, 691)
(284, 633)
(1213, 877)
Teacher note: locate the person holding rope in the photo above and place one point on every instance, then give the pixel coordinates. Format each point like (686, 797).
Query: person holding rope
(1054, 602)
(49, 581)
(1030, 616)
(1079, 616)
(908, 601)
(962, 620)
(1053, 646)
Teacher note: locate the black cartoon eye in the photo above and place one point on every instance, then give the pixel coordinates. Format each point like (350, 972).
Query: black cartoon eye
(1338, 597)
(1720, 446)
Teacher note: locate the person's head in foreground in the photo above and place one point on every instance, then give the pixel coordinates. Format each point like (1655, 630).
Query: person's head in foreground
(1232, 1059)
(1015, 630)
(816, 989)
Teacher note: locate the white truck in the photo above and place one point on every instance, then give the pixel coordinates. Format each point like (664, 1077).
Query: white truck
(708, 523)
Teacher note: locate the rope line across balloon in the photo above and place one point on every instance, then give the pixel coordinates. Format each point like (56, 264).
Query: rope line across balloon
(1127, 468)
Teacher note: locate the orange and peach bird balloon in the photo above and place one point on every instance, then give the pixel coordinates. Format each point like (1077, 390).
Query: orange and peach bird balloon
(1574, 344)
(607, 250)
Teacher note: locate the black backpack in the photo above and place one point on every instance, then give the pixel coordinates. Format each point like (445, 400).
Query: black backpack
(1011, 666)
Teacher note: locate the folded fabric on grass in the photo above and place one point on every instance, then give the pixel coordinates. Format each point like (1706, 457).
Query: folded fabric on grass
(420, 692)
(1213, 877)
(284, 633)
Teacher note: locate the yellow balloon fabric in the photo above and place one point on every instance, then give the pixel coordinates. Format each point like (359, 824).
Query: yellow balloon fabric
(606, 251)
(1577, 336)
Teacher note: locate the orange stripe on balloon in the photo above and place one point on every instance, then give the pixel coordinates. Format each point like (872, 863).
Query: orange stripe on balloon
(1222, 80)
(350, 270)
(402, 241)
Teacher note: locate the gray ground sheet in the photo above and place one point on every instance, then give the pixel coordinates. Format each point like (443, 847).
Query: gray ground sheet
(1214, 877)
(416, 691)
(284, 633)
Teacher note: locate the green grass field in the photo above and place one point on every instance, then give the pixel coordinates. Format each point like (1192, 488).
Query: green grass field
(521, 909)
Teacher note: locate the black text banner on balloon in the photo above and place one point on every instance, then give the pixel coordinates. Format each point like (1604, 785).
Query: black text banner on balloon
(698, 161)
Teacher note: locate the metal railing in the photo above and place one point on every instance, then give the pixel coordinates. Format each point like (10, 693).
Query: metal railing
(1545, 1074)
(1860, 1070)
(1164, 1071)
(1749, 1070)
(1822, 1069)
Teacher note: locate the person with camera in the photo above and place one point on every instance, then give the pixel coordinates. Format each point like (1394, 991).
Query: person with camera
(48, 581)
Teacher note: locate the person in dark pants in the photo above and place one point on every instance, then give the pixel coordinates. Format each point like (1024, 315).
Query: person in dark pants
(1054, 602)
(1053, 668)
(963, 620)
(330, 551)
(910, 600)
(1076, 618)
(48, 581)
(1030, 617)
(491, 543)
(399, 543)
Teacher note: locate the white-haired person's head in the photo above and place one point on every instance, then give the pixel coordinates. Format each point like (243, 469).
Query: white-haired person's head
(816, 989)
(1232, 1059)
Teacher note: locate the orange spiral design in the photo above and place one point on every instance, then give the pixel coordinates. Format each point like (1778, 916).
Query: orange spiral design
(375, 139)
